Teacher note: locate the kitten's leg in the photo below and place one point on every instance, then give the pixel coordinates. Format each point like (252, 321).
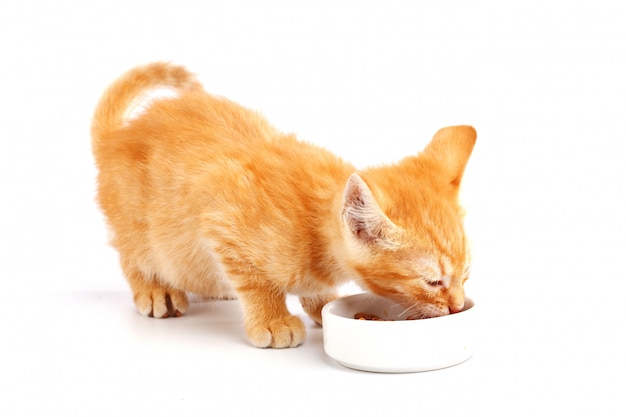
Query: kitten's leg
(268, 323)
(155, 299)
(313, 305)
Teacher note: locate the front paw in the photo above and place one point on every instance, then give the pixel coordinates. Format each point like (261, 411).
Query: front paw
(281, 332)
(313, 305)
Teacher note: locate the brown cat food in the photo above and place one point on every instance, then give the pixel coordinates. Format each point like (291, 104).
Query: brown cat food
(366, 316)
(373, 317)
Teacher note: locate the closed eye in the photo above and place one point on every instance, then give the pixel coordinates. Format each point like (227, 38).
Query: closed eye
(439, 282)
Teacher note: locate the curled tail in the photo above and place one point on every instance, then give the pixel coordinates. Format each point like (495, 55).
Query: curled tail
(118, 99)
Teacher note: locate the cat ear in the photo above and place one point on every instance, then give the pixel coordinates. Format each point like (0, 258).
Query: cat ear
(451, 147)
(362, 215)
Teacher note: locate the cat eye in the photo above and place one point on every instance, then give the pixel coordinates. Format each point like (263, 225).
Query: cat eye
(435, 284)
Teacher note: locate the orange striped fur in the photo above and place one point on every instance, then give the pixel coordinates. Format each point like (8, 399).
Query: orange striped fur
(205, 196)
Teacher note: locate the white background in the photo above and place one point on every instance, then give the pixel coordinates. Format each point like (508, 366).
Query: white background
(543, 83)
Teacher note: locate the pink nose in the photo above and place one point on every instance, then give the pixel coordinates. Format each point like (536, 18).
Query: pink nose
(456, 308)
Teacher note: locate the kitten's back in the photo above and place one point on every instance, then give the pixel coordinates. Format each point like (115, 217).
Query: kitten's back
(196, 170)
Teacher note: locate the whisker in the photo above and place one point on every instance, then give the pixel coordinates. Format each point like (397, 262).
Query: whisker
(408, 309)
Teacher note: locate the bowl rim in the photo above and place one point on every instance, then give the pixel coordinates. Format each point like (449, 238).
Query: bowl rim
(327, 310)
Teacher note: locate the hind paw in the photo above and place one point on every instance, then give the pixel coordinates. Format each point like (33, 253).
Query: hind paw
(161, 303)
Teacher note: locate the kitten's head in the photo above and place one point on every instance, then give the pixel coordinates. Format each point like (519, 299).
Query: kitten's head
(405, 230)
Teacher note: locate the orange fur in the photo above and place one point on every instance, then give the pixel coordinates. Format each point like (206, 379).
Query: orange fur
(205, 196)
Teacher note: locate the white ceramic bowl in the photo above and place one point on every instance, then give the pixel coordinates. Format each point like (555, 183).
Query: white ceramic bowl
(394, 346)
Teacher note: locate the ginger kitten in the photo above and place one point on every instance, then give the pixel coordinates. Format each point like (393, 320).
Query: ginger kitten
(205, 196)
